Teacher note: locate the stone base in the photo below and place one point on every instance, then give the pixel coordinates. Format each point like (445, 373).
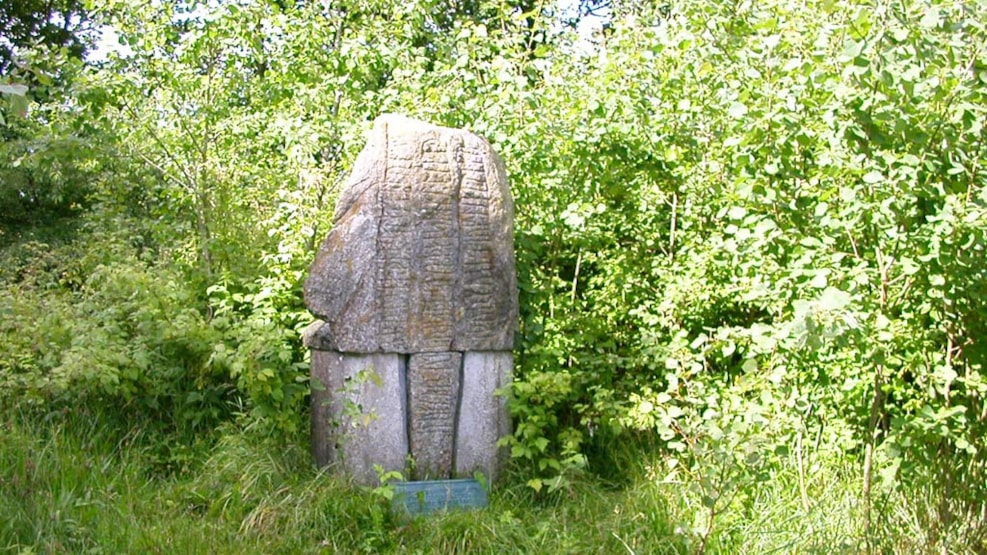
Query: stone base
(483, 416)
(439, 409)
(358, 408)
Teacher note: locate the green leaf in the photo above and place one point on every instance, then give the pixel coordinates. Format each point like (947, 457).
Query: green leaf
(833, 299)
(728, 349)
(873, 177)
(737, 110)
(15, 89)
(908, 266)
(535, 484)
(851, 49)
(698, 342)
(931, 18)
(541, 444)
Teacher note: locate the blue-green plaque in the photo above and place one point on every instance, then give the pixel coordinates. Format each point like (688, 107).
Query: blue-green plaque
(429, 496)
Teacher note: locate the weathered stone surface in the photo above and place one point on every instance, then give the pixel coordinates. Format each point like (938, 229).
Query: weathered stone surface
(433, 403)
(483, 418)
(420, 257)
(316, 336)
(358, 408)
(416, 288)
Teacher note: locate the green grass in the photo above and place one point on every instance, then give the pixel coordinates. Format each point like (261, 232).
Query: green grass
(71, 483)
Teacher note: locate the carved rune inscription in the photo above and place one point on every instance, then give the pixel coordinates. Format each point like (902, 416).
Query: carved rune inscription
(433, 395)
(420, 257)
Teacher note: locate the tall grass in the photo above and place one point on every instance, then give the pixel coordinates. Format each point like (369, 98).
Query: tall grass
(75, 482)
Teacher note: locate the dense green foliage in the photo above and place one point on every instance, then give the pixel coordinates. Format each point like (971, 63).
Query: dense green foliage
(750, 238)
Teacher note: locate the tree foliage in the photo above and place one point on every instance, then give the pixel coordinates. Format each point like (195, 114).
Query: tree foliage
(28, 23)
